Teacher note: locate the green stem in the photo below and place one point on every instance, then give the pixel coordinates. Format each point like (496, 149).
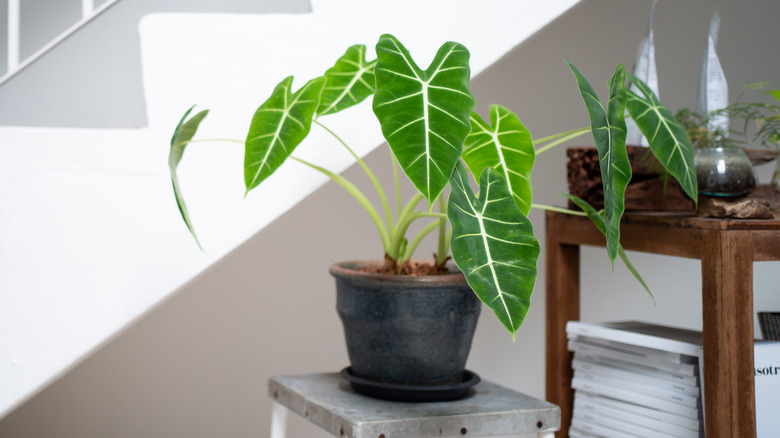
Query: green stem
(559, 139)
(380, 192)
(398, 234)
(397, 183)
(202, 140)
(444, 243)
(359, 196)
(559, 209)
(417, 239)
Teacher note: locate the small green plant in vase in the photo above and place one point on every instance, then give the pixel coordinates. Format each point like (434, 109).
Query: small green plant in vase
(440, 144)
(760, 121)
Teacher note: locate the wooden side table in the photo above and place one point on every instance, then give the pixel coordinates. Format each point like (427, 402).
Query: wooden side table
(329, 401)
(727, 250)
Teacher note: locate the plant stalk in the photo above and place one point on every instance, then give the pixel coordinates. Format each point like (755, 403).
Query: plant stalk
(369, 173)
(359, 196)
(559, 139)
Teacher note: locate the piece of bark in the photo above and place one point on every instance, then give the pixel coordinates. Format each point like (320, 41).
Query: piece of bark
(734, 208)
(760, 156)
(646, 191)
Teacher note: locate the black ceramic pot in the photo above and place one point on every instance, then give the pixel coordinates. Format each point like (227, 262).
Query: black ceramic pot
(403, 329)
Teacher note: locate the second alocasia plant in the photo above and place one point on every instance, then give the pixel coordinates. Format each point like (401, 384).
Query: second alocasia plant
(427, 118)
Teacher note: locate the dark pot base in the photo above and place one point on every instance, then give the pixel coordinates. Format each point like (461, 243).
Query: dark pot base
(406, 330)
(409, 393)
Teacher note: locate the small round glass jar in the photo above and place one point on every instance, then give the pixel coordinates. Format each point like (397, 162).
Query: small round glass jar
(724, 172)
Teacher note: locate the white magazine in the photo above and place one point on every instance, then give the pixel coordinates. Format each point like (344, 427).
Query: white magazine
(582, 406)
(636, 398)
(653, 414)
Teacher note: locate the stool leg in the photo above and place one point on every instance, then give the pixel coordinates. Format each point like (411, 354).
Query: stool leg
(279, 421)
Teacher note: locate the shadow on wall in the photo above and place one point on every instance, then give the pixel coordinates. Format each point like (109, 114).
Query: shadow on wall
(98, 68)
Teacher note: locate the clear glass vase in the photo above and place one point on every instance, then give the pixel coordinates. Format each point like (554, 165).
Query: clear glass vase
(724, 172)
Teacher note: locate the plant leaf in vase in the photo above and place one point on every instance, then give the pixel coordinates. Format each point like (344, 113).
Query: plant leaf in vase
(278, 127)
(666, 136)
(609, 133)
(505, 146)
(493, 244)
(349, 81)
(182, 135)
(424, 115)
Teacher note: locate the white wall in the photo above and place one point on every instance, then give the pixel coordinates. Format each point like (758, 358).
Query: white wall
(197, 365)
(91, 237)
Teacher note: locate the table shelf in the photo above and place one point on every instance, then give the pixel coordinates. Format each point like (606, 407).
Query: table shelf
(727, 250)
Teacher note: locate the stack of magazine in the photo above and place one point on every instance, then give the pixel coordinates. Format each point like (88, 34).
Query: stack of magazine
(634, 379)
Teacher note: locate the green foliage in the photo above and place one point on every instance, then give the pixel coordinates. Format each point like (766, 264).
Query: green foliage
(699, 133)
(598, 220)
(760, 120)
(493, 244)
(182, 136)
(609, 133)
(424, 115)
(667, 138)
(278, 127)
(349, 82)
(505, 146)
(427, 120)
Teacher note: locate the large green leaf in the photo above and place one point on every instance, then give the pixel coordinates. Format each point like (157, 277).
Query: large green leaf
(278, 127)
(507, 147)
(424, 115)
(609, 133)
(349, 82)
(182, 135)
(493, 244)
(601, 224)
(666, 136)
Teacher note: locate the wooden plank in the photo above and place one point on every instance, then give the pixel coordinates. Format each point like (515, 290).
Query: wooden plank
(727, 296)
(562, 305)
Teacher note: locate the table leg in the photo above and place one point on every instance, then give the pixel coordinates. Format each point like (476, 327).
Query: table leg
(727, 305)
(562, 305)
(279, 421)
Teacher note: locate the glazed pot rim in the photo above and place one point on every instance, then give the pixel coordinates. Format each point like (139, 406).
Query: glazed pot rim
(347, 269)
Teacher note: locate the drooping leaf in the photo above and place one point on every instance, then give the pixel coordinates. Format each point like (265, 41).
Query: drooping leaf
(775, 94)
(349, 82)
(182, 135)
(493, 244)
(507, 147)
(278, 127)
(666, 136)
(424, 115)
(600, 223)
(609, 133)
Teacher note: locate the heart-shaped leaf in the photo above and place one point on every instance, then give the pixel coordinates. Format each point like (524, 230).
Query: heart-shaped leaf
(182, 135)
(493, 244)
(666, 136)
(601, 224)
(278, 127)
(507, 147)
(424, 115)
(609, 133)
(349, 82)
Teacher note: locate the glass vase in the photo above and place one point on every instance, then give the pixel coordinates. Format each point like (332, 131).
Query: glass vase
(724, 172)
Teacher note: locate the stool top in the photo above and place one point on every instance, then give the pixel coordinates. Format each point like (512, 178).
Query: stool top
(329, 401)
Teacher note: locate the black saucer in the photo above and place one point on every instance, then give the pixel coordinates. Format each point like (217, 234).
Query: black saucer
(411, 393)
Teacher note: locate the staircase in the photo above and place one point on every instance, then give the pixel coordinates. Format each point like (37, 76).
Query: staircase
(90, 236)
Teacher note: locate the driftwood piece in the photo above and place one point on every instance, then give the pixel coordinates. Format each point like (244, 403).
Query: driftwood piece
(734, 208)
(647, 191)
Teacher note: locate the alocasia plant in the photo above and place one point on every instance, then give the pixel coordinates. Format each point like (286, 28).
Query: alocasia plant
(426, 117)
